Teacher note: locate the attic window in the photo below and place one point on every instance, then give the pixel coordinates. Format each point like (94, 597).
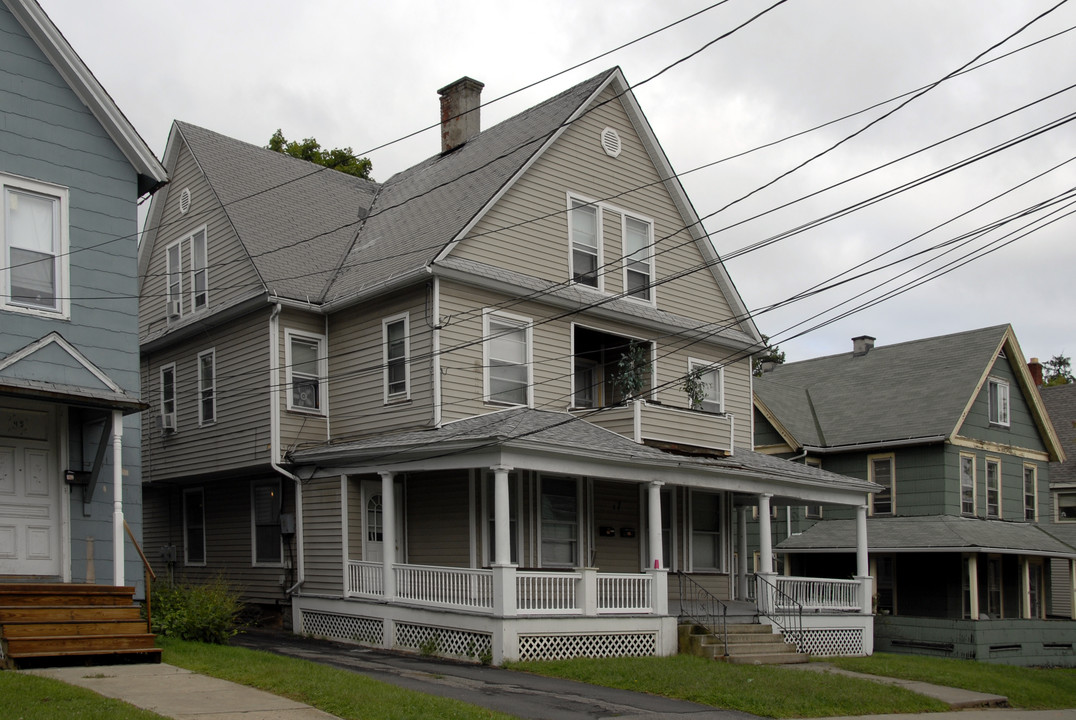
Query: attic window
(184, 201)
(610, 141)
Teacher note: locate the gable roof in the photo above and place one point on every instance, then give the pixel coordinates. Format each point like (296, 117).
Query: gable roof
(1060, 402)
(912, 392)
(151, 174)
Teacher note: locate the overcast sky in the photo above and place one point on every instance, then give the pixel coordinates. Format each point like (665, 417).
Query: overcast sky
(362, 74)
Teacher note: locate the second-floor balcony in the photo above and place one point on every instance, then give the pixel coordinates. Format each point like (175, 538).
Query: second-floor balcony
(668, 427)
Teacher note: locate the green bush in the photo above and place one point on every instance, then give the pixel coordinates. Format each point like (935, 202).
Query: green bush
(203, 613)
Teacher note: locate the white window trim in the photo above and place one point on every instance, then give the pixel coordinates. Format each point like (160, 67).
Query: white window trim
(974, 484)
(289, 335)
(892, 480)
(579, 530)
(406, 394)
(598, 239)
(1007, 419)
(986, 484)
(186, 530)
(212, 354)
(170, 298)
(62, 266)
(1034, 491)
(708, 366)
(254, 562)
(193, 271)
(519, 321)
(652, 300)
(689, 521)
(175, 396)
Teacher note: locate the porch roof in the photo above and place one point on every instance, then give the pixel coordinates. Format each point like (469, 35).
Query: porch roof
(930, 533)
(558, 442)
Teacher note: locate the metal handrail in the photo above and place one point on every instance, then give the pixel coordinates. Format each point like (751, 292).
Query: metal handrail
(148, 575)
(701, 607)
(781, 608)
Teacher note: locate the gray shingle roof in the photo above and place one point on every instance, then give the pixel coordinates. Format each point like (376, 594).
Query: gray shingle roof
(1060, 401)
(934, 533)
(915, 389)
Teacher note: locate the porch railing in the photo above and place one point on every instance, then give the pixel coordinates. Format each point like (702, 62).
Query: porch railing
(547, 593)
(365, 578)
(625, 593)
(821, 595)
(450, 587)
(702, 608)
(783, 610)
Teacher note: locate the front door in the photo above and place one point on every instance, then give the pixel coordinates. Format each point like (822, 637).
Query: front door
(373, 522)
(29, 495)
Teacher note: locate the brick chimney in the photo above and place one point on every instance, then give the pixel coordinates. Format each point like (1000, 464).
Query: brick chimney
(1035, 368)
(460, 103)
(862, 345)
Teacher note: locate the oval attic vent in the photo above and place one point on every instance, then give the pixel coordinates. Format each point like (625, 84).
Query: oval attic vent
(184, 201)
(610, 140)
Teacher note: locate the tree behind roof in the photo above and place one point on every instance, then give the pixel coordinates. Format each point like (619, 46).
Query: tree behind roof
(342, 159)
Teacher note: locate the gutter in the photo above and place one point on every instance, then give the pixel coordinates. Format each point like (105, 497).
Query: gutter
(882, 444)
(274, 442)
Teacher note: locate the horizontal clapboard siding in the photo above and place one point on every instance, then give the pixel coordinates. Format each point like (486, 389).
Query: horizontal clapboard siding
(437, 507)
(323, 532)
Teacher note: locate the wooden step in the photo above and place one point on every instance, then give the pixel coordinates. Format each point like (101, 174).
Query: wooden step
(36, 646)
(48, 629)
(36, 594)
(68, 613)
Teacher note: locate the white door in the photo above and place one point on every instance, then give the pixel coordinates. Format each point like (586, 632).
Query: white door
(29, 509)
(373, 522)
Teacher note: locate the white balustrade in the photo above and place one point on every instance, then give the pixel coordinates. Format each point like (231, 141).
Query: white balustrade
(547, 593)
(820, 594)
(625, 593)
(364, 578)
(444, 586)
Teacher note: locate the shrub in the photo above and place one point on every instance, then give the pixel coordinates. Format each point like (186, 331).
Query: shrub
(204, 613)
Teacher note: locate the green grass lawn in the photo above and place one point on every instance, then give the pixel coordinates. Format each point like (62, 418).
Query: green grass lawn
(338, 692)
(1029, 688)
(765, 690)
(28, 697)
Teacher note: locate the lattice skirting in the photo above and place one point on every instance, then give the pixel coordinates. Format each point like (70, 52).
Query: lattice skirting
(561, 647)
(369, 631)
(444, 641)
(831, 642)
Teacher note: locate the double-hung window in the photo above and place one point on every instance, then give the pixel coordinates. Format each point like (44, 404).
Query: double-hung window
(194, 526)
(705, 532)
(993, 488)
(174, 272)
(207, 387)
(187, 270)
(998, 398)
(712, 397)
(33, 247)
(507, 359)
(638, 258)
(168, 397)
(881, 470)
(265, 522)
(395, 333)
(967, 484)
(560, 521)
(1031, 495)
(584, 231)
(199, 271)
(305, 360)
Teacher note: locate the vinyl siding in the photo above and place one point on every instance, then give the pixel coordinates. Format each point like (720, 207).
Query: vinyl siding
(527, 230)
(240, 437)
(322, 530)
(356, 368)
(437, 519)
(231, 274)
(617, 507)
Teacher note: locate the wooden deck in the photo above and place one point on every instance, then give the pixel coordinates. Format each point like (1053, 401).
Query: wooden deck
(56, 623)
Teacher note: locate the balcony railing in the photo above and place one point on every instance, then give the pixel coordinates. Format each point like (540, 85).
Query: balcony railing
(644, 421)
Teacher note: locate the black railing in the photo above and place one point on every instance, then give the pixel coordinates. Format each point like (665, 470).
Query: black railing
(782, 609)
(701, 608)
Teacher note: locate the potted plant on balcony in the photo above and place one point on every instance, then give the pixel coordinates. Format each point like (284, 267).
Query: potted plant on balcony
(695, 388)
(631, 371)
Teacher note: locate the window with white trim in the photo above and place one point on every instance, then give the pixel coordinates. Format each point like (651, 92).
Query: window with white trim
(993, 488)
(705, 532)
(585, 239)
(1065, 506)
(199, 271)
(998, 400)
(713, 385)
(881, 470)
(207, 387)
(395, 332)
(560, 521)
(34, 247)
(187, 270)
(1031, 493)
(305, 360)
(194, 526)
(168, 397)
(638, 258)
(265, 498)
(507, 359)
(174, 271)
(967, 484)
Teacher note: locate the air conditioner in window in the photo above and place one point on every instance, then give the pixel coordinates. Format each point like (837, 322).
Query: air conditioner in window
(167, 423)
(173, 308)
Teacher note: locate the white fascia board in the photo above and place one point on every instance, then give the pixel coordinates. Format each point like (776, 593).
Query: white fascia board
(156, 209)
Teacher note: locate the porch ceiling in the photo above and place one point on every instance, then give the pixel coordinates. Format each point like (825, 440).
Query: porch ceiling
(933, 533)
(558, 442)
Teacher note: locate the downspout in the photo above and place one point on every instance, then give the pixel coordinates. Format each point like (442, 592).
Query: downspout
(274, 441)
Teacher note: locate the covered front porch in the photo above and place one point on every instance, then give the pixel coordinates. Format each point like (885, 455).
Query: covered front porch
(562, 540)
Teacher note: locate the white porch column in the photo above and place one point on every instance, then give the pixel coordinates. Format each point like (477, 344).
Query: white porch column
(741, 553)
(117, 500)
(863, 573)
(765, 535)
(501, 516)
(657, 552)
(388, 534)
(973, 586)
(1025, 589)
